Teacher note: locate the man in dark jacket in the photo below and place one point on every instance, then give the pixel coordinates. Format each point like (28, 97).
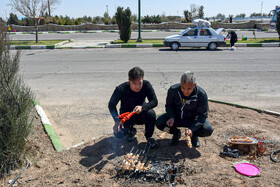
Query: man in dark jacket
(186, 106)
(132, 95)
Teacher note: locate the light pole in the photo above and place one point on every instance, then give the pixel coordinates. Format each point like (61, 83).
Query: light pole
(139, 22)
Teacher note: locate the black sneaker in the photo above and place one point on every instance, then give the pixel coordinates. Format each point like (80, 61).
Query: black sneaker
(175, 138)
(195, 141)
(152, 143)
(130, 135)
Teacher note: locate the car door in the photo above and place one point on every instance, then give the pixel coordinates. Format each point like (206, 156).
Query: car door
(189, 39)
(205, 37)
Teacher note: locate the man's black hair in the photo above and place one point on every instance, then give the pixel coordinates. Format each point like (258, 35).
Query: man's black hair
(135, 73)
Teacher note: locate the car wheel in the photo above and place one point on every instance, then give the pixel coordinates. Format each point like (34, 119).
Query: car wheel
(174, 46)
(212, 46)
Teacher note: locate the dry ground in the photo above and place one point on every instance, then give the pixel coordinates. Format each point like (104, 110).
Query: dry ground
(95, 163)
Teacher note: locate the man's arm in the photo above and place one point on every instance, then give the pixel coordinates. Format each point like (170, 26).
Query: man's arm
(152, 98)
(115, 98)
(169, 104)
(202, 113)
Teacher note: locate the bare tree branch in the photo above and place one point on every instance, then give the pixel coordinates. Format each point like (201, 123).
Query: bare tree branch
(33, 9)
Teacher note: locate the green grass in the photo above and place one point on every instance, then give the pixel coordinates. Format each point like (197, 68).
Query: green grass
(135, 42)
(258, 40)
(33, 42)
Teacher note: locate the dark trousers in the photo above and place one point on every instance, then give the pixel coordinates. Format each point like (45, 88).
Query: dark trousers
(205, 130)
(232, 42)
(148, 118)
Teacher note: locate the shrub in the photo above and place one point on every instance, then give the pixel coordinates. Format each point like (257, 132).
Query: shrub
(123, 18)
(15, 108)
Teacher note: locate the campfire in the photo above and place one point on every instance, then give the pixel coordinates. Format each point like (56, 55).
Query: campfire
(142, 167)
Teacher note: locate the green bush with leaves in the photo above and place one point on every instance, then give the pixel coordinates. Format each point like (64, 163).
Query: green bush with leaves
(15, 109)
(123, 18)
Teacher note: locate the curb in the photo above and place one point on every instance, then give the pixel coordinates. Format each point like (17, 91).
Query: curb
(86, 47)
(162, 45)
(134, 45)
(17, 47)
(48, 127)
(247, 107)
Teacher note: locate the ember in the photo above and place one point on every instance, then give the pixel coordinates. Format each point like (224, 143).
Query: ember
(140, 166)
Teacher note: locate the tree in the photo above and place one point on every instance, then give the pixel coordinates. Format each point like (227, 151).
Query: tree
(15, 109)
(278, 24)
(134, 18)
(188, 16)
(13, 19)
(31, 9)
(124, 23)
(51, 3)
(2, 22)
(201, 12)
(96, 19)
(106, 18)
(193, 10)
(242, 15)
(151, 19)
(220, 16)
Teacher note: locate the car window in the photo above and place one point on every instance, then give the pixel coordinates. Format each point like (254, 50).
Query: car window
(192, 32)
(205, 32)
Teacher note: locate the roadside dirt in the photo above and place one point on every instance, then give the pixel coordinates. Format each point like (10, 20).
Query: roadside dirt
(95, 163)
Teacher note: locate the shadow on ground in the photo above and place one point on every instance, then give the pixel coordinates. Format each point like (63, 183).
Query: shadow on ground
(97, 155)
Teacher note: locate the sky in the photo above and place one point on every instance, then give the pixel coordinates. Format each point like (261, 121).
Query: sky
(80, 8)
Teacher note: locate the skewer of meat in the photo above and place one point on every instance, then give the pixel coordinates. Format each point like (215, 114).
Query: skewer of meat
(189, 141)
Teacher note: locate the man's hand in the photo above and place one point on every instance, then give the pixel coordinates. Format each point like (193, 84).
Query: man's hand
(138, 109)
(117, 126)
(170, 122)
(188, 132)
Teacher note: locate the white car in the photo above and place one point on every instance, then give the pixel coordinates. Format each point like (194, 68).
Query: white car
(196, 37)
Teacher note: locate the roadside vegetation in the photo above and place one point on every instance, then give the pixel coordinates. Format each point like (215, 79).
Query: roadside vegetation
(15, 109)
(33, 42)
(258, 40)
(193, 12)
(135, 41)
(124, 22)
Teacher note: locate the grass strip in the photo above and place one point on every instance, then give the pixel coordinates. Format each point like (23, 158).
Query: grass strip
(33, 42)
(135, 42)
(158, 45)
(254, 45)
(128, 45)
(258, 40)
(23, 47)
(50, 46)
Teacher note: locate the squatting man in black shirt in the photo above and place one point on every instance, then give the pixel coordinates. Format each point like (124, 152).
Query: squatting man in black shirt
(132, 95)
(186, 106)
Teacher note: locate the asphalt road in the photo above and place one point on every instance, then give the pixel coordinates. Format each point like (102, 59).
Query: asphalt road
(134, 35)
(74, 86)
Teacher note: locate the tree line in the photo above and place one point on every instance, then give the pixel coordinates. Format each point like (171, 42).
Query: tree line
(107, 20)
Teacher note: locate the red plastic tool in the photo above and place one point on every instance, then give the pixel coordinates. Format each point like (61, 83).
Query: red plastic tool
(126, 116)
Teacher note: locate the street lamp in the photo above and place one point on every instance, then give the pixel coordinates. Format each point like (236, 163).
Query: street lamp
(139, 22)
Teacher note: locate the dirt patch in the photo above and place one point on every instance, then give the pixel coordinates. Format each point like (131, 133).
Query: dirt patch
(95, 163)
